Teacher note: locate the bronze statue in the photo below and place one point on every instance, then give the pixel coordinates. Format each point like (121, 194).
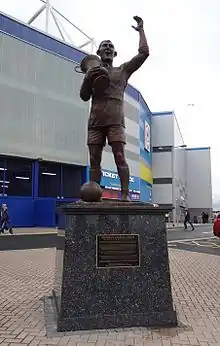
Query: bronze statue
(107, 115)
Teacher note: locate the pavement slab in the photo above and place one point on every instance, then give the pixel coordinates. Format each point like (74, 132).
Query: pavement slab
(27, 277)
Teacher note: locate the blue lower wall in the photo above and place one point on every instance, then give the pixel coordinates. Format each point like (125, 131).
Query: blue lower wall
(27, 212)
(45, 212)
(21, 210)
(35, 211)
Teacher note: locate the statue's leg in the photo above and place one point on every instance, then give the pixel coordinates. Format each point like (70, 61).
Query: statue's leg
(96, 142)
(116, 138)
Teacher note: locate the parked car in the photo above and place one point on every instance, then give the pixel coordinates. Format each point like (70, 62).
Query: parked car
(216, 226)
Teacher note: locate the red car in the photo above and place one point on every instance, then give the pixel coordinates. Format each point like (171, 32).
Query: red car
(216, 226)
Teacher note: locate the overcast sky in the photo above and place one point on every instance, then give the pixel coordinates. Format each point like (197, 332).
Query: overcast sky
(184, 65)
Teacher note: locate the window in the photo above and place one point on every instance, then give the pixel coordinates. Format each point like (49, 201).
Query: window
(18, 177)
(2, 174)
(162, 181)
(71, 181)
(49, 179)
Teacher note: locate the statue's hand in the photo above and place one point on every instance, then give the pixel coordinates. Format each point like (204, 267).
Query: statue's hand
(140, 23)
(91, 74)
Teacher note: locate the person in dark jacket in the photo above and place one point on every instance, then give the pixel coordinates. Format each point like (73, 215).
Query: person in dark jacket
(187, 220)
(5, 220)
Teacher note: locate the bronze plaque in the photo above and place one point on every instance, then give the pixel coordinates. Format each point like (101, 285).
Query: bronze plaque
(117, 250)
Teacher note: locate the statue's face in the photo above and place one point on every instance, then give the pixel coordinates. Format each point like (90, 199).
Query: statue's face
(106, 51)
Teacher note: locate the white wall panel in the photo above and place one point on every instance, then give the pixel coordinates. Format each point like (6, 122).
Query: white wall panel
(41, 112)
(109, 164)
(199, 183)
(162, 165)
(132, 128)
(133, 149)
(162, 193)
(129, 100)
(162, 130)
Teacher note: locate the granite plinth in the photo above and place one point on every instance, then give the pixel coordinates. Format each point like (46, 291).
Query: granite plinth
(88, 297)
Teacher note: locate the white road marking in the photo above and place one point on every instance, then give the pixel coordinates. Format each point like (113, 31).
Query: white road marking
(210, 232)
(195, 243)
(189, 240)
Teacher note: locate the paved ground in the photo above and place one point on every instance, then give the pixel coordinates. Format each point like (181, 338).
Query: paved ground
(27, 276)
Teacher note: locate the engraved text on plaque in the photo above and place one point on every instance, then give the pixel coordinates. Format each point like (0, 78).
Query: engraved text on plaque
(117, 250)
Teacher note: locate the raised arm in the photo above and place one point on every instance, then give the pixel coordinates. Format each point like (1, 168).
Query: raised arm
(143, 51)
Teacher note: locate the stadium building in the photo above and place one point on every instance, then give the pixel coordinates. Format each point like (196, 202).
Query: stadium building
(181, 175)
(43, 152)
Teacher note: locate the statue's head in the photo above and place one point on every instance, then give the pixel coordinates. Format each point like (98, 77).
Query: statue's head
(106, 51)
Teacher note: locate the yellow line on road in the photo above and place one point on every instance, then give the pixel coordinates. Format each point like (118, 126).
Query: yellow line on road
(215, 245)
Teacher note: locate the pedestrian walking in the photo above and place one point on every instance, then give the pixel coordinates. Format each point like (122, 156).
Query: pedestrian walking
(187, 220)
(5, 220)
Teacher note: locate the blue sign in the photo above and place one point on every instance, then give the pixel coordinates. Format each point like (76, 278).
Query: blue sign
(110, 180)
(145, 136)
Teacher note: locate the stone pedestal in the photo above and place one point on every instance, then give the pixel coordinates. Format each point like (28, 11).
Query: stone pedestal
(112, 268)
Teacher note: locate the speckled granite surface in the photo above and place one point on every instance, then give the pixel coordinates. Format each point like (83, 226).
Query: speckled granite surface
(92, 298)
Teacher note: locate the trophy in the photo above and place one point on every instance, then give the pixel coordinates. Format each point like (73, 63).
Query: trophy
(100, 79)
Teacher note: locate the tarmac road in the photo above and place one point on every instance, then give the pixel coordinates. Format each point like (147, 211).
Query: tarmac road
(201, 231)
(201, 240)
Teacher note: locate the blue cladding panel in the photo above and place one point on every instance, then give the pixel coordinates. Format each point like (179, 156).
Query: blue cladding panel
(132, 92)
(144, 105)
(198, 148)
(21, 210)
(157, 114)
(145, 115)
(45, 212)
